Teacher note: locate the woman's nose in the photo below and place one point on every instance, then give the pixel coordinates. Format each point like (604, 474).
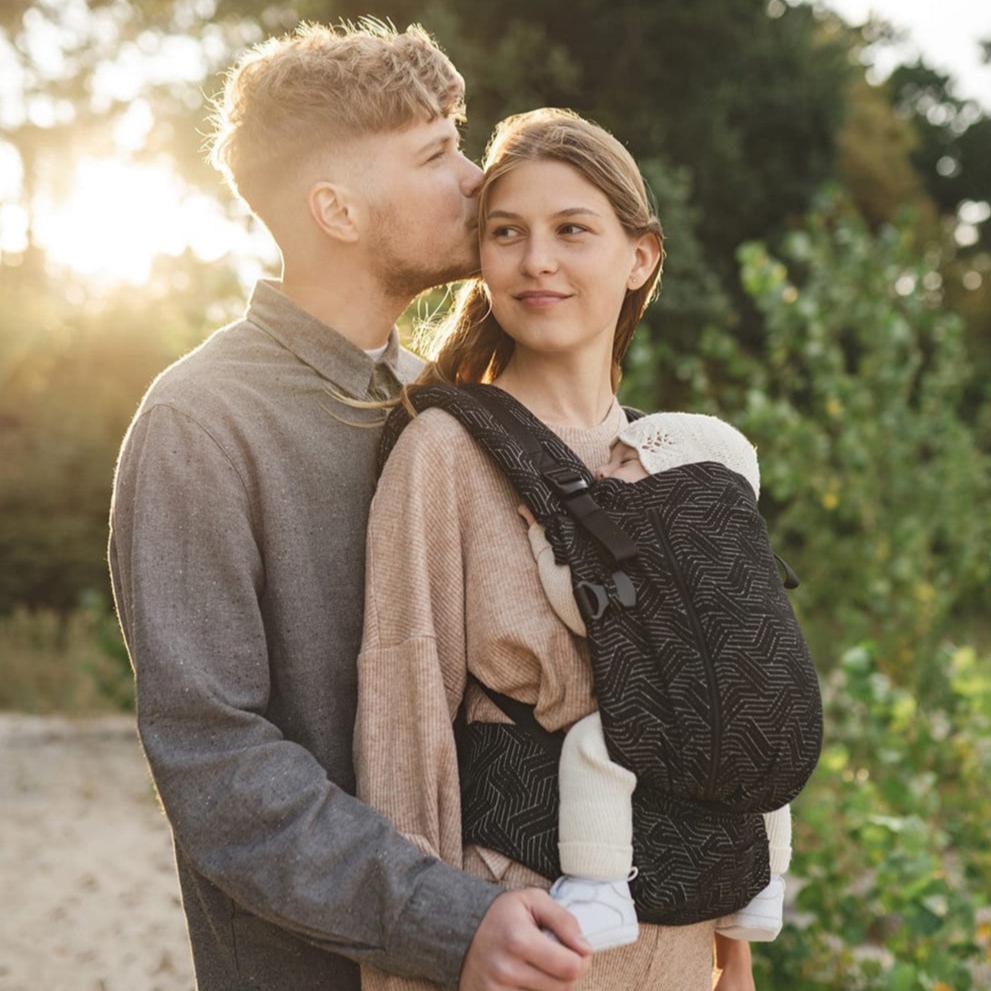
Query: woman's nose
(538, 259)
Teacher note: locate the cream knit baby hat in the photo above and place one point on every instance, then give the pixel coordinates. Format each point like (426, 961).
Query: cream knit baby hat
(666, 440)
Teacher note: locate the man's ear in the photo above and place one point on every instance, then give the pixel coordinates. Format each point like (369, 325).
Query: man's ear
(334, 209)
(646, 252)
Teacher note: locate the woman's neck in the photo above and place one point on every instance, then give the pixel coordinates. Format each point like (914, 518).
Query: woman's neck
(567, 390)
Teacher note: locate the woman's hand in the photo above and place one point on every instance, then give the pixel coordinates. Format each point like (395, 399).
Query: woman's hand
(524, 511)
(734, 964)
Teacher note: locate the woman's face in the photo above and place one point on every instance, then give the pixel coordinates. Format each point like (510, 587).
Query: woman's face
(556, 259)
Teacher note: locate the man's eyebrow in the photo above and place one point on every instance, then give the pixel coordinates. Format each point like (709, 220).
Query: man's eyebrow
(571, 211)
(436, 144)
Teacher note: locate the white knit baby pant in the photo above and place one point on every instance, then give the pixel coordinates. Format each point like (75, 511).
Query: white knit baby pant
(596, 818)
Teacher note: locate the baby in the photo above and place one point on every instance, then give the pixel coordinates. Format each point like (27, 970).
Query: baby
(596, 818)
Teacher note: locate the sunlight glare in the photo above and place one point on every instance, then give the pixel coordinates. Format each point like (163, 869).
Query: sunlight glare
(118, 217)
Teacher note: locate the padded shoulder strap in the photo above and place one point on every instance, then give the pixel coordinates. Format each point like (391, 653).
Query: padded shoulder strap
(489, 430)
(545, 472)
(570, 484)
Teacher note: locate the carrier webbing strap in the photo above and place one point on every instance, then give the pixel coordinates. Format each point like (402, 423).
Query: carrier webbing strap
(570, 486)
(522, 715)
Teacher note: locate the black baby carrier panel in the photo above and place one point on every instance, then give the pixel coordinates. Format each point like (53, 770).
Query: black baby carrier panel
(704, 683)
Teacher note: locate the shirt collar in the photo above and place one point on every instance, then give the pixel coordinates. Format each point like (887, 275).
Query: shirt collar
(321, 347)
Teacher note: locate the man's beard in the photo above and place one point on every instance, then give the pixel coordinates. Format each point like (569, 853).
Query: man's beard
(401, 273)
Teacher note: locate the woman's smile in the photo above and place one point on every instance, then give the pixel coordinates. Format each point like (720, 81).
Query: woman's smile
(542, 299)
(550, 237)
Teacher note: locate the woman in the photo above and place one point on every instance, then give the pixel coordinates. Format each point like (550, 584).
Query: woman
(571, 254)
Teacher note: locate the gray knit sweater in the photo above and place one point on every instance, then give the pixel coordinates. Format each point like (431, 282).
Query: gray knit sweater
(237, 555)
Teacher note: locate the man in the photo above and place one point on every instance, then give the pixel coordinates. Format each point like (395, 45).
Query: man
(237, 541)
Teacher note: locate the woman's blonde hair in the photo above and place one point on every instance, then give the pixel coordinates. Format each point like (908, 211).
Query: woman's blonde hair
(469, 346)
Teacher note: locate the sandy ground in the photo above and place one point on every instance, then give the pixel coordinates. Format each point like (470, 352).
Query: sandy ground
(88, 895)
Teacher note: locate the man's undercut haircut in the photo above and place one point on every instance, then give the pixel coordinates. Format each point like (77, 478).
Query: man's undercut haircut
(315, 89)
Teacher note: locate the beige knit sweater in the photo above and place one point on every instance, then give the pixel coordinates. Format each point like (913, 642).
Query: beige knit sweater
(452, 585)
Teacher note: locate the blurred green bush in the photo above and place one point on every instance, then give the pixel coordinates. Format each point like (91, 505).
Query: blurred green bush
(873, 473)
(72, 663)
(892, 867)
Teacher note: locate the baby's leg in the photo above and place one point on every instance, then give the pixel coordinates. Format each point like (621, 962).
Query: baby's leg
(596, 818)
(596, 838)
(761, 919)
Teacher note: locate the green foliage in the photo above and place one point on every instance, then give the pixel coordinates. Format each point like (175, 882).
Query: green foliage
(72, 372)
(872, 475)
(875, 147)
(948, 129)
(891, 865)
(73, 663)
(662, 368)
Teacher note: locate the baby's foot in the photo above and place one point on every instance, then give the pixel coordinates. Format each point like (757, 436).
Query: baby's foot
(604, 909)
(760, 920)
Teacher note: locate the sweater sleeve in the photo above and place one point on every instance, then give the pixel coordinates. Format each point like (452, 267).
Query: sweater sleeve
(252, 811)
(412, 667)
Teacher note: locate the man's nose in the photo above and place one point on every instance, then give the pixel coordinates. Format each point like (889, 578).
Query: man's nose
(472, 181)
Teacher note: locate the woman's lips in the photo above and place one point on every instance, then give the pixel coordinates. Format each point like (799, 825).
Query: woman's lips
(540, 300)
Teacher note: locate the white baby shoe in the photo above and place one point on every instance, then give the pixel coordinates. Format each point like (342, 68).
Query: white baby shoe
(604, 909)
(760, 920)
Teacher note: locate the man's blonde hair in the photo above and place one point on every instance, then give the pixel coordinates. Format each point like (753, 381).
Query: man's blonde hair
(312, 90)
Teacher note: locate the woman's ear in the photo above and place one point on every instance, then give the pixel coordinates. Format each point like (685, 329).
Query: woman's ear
(334, 210)
(646, 254)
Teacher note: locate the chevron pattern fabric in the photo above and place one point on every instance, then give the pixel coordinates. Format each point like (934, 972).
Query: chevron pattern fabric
(694, 864)
(705, 686)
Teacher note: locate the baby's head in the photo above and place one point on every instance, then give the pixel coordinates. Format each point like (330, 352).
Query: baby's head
(643, 447)
(624, 463)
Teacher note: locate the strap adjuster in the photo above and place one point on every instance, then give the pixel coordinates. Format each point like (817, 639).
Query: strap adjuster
(566, 480)
(592, 600)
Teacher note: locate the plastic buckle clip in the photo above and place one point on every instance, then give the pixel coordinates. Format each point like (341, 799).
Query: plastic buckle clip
(592, 599)
(565, 480)
(626, 594)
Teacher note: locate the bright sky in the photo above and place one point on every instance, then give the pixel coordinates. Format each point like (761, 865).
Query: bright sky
(946, 32)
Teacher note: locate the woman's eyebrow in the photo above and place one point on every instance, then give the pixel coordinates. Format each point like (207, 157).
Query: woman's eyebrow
(570, 211)
(576, 210)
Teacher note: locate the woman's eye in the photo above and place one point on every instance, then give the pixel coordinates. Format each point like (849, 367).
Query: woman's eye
(504, 232)
(573, 229)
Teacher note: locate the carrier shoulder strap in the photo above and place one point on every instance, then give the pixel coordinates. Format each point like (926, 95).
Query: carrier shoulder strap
(545, 472)
(570, 485)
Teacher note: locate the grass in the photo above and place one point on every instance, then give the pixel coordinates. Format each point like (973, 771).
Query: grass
(74, 663)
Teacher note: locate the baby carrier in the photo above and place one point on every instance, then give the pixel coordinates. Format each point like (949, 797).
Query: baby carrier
(704, 683)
